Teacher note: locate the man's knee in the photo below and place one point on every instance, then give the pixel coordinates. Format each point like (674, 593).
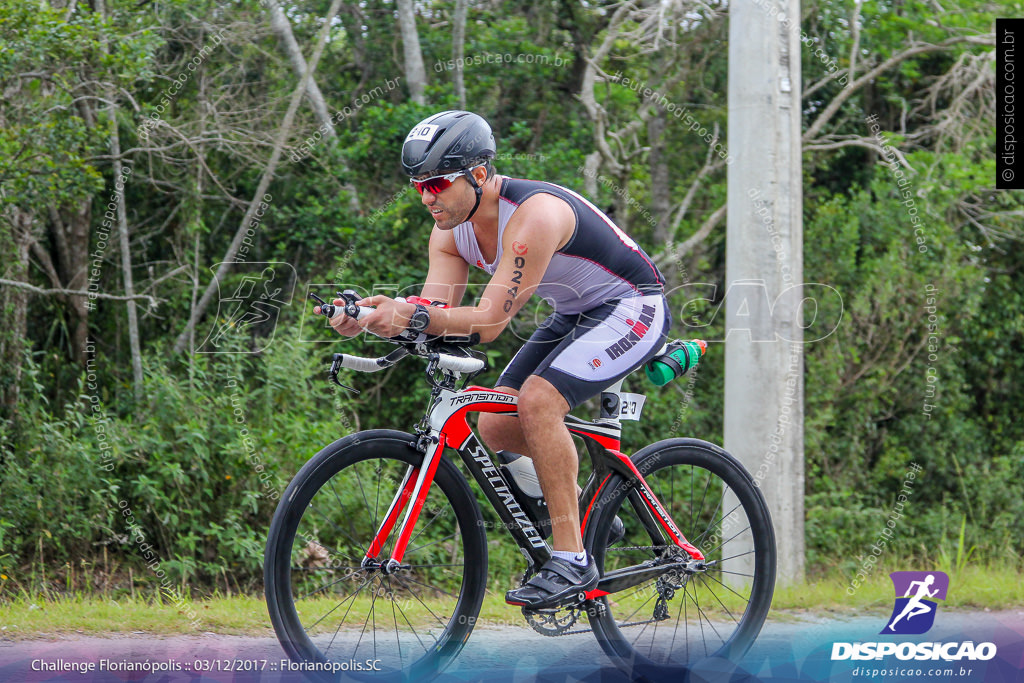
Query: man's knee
(499, 431)
(540, 399)
(494, 429)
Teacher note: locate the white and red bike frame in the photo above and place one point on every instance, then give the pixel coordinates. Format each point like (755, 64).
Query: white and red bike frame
(446, 425)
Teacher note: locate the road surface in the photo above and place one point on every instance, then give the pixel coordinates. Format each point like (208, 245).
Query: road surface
(792, 647)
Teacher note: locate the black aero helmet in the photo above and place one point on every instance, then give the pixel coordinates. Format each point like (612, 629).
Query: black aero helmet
(447, 142)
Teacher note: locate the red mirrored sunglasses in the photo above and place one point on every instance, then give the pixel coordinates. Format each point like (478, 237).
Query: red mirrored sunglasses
(438, 183)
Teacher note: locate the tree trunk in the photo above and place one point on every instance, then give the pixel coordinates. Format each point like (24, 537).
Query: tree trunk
(14, 306)
(266, 177)
(126, 254)
(70, 233)
(459, 48)
(415, 74)
(591, 169)
(661, 199)
(282, 28)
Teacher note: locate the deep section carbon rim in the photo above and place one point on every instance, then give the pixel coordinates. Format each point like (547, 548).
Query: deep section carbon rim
(336, 613)
(690, 612)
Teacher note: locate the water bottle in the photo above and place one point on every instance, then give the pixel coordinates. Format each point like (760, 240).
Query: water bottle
(525, 483)
(525, 474)
(678, 358)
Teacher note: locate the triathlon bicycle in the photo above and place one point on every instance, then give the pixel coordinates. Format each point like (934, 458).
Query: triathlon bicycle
(376, 561)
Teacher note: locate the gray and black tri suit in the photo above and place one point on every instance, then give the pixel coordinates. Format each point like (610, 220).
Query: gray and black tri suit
(610, 310)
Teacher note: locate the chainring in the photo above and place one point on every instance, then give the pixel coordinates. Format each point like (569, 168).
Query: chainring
(552, 622)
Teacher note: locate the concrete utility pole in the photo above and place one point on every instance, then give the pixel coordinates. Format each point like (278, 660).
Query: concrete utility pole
(764, 266)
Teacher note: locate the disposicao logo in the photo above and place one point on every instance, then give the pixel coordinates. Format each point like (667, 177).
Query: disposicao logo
(913, 613)
(915, 608)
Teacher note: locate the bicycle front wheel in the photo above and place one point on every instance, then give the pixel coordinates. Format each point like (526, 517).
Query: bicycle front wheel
(333, 615)
(675, 619)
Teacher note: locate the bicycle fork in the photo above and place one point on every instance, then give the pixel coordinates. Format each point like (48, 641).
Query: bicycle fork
(415, 487)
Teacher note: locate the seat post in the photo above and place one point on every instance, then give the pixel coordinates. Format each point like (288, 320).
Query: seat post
(610, 403)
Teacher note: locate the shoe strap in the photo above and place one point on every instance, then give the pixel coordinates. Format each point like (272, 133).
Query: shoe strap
(562, 568)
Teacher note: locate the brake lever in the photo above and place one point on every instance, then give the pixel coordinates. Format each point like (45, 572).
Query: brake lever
(332, 374)
(350, 297)
(326, 309)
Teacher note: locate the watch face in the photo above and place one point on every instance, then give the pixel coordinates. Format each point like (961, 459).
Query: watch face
(420, 319)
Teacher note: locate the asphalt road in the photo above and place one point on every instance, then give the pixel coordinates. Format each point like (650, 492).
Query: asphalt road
(792, 647)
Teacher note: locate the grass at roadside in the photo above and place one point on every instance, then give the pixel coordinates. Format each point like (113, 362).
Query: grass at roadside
(995, 587)
(27, 616)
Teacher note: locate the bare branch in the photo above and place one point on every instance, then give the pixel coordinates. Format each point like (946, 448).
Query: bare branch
(586, 96)
(708, 168)
(165, 276)
(677, 252)
(855, 47)
(821, 83)
(265, 178)
(153, 301)
(847, 92)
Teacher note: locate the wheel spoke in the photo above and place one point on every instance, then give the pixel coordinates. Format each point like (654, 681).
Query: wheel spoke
(711, 624)
(394, 618)
(411, 627)
(340, 613)
(427, 585)
(722, 499)
(725, 571)
(351, 597)
(339, 530)
(733, 557)
(369, 614)
(630, 617)
(328, 585)
(744, 598)
(728, 539)
(427, 545)
(715, 525)
(425, 527)
(425, 605)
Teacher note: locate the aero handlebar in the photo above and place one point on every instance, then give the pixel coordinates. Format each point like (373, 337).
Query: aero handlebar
(444, 361)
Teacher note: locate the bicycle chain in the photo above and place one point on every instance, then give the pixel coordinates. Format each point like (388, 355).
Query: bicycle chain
(590, 630)
(660, 605)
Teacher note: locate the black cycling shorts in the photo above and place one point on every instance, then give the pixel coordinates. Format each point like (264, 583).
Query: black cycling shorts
(583, 354)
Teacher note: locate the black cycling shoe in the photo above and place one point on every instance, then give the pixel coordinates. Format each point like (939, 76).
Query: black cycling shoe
(557, 583)
(618, 530)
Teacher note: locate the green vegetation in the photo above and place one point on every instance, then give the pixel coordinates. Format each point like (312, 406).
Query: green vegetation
(201, 449)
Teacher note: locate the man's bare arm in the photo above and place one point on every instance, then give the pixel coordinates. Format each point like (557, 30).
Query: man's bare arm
(539, 228)
(448, 272)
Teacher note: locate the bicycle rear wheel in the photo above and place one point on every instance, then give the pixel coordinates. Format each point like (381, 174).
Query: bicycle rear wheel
(335, 617)
(670, 623)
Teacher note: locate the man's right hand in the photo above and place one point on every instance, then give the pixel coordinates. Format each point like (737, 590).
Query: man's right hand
(342, 324)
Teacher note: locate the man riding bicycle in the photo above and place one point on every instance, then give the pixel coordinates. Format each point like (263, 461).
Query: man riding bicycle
(610, 315)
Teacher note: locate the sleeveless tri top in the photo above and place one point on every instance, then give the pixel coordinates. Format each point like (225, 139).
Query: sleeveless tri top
(598, 263)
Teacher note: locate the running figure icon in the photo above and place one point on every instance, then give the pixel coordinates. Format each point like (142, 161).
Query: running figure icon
(915, 606)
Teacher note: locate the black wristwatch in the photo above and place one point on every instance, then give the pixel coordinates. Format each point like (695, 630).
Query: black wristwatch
(420, 319)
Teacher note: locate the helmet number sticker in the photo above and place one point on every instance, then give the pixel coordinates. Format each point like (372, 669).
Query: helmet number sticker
(424, 132)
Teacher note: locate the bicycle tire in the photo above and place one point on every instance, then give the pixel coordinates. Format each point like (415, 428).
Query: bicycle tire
(329, 499)
(625, 623)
